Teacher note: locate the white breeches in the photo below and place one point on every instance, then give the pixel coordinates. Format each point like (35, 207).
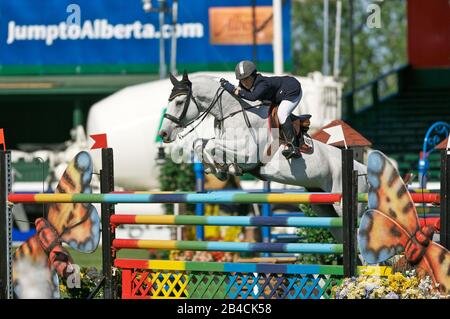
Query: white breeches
(286, 107)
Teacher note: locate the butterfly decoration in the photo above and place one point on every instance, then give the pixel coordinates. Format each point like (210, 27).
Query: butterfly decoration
(76, 224)
(391, 225)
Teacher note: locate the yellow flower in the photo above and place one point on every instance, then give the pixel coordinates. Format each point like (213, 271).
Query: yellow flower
(414, 282)
(62, 288)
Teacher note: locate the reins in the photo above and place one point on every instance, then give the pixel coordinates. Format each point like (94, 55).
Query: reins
(202, 116)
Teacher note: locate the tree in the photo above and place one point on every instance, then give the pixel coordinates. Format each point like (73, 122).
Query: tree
(377, 50)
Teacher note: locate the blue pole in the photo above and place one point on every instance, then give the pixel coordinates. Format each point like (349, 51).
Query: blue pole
(435, 134)
(266, 231)
(424, 164)
(199, 208)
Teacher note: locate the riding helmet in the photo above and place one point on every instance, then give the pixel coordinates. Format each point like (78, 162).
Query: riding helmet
(244, 69)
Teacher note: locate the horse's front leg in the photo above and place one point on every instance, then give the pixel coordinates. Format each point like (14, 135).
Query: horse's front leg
(205, 151)
(236, 154)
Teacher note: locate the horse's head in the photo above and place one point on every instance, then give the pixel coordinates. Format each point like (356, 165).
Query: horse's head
(178, 114)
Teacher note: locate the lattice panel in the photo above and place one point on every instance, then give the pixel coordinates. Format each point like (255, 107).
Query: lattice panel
(207, 285)
(280, 286)
(220, 285)
(147, 284)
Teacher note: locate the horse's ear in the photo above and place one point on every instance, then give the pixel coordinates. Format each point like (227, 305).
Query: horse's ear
(185, 76)
(173, 79)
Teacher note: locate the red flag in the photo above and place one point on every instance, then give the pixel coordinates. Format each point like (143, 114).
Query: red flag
(2, 139)
(100, 141)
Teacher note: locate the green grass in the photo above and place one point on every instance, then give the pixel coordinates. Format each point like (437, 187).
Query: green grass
(95, 259)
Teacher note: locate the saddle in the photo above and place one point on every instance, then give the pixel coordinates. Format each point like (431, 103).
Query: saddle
(301, 126)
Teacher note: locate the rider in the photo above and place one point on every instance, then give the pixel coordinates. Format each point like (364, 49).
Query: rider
(284, 91)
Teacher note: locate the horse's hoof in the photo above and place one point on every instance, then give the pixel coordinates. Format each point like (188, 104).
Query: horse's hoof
(208, 170)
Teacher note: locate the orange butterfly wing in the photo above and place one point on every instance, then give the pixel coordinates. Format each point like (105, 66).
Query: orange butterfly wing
(380, 237)
(388, 193)
(437, 263)
(78, 224)
(31, 252)
(393, 220)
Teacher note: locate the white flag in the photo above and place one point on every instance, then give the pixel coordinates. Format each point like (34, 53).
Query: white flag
(336, 134)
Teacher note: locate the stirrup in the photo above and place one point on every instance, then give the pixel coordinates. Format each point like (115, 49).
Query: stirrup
(291, 152)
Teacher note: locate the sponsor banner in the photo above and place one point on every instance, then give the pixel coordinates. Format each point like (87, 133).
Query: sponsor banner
(40, 34)
(234, 25)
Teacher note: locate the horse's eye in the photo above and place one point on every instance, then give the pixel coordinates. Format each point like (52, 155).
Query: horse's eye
(179, 103)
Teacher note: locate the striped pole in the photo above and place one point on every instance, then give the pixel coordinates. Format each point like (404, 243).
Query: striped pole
(267, 268)
(227, 246)
(250, 267)
(427, 198)
(212, 197)
(243, 221)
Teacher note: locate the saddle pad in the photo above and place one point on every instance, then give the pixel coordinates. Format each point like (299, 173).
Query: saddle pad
(297, 121)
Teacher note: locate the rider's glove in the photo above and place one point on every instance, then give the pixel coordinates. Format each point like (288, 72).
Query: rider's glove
(227, 85)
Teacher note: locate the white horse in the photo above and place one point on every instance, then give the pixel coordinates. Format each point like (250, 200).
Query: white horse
(242, 139)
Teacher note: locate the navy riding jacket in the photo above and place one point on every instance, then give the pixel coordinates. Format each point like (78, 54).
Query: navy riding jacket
(274, 89)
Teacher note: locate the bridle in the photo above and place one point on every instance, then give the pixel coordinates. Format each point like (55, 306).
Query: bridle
(186, 89)
(189, 97)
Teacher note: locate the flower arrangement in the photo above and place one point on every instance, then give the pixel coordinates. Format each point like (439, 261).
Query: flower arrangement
(89, 278)
(395, 286)
(203, 256)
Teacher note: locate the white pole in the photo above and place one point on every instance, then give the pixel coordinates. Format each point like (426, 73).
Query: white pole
(337, 39)
(162, 48)
(326, 64)
(179, 231)
(277, 37)
(173, 53)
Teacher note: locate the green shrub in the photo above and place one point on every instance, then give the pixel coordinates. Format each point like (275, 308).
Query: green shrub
(90, 277)
(177, 177)
(316, 235)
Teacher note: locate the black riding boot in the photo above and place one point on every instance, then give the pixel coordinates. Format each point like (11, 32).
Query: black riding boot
(291, 140)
